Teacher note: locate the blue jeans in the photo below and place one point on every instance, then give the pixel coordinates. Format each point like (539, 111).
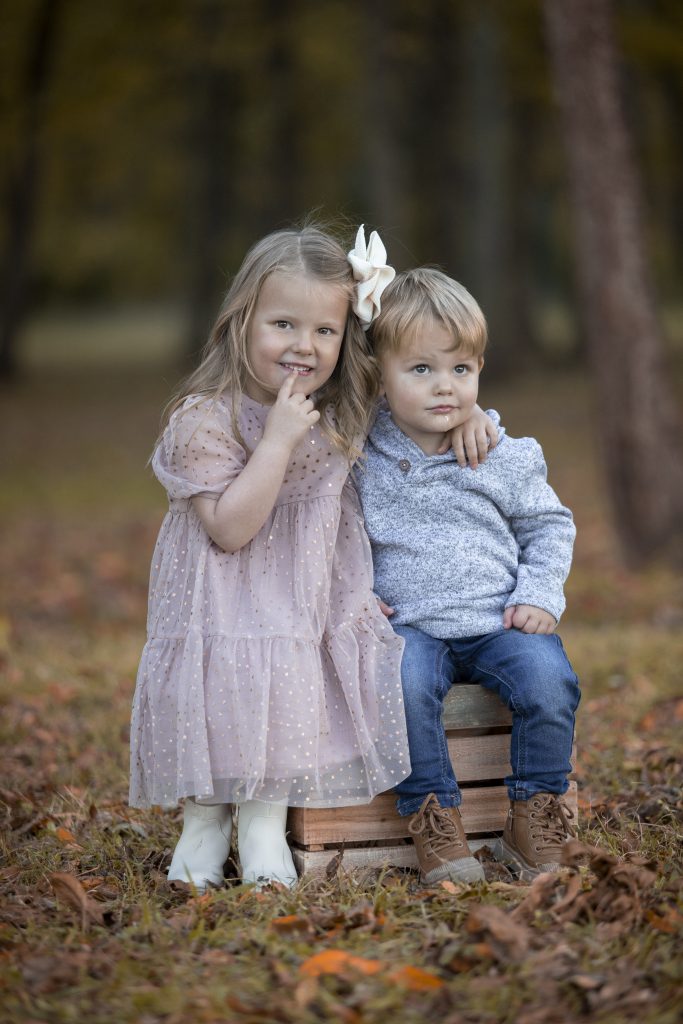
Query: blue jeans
(530, 673)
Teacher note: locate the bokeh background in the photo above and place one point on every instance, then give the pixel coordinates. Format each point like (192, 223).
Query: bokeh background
(149, 143)
(533, 149)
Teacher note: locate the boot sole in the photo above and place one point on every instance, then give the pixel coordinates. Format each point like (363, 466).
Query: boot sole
(456, 871)
(504, 854)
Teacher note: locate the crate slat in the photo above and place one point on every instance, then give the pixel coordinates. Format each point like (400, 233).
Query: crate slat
(483, 809)
(401, 856)
(314, 861)
(470, 706)
(479, 758)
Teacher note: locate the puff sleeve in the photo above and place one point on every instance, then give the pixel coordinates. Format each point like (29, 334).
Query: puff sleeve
(197, 453)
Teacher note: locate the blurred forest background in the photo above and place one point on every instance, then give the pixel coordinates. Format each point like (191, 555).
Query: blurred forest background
(145, 145)
(533, 149)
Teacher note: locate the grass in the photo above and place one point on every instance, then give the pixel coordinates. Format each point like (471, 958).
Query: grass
(80, 513)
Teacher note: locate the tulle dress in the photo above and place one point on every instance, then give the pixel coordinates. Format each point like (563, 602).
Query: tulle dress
(268, 673)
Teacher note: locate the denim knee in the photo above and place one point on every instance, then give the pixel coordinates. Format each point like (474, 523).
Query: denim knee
(422, 667)
(548, 680)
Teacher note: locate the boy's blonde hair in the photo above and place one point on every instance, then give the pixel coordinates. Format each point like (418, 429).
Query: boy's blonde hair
(350, 392)
(415, 296)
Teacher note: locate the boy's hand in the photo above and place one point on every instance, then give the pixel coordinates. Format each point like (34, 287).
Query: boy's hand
(385, 609)
(528, 619)
(472, 439)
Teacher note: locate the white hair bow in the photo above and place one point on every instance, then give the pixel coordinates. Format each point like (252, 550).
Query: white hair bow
(371, 273)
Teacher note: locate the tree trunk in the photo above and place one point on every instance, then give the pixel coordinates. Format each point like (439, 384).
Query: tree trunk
(24, 185)
(213, 139)
(638, 420)
(486, 242)
(384, 199)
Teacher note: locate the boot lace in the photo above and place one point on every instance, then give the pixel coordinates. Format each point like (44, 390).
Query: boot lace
(436, 826)
(551, 820)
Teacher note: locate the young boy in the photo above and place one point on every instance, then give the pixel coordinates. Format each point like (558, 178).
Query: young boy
(473, 563)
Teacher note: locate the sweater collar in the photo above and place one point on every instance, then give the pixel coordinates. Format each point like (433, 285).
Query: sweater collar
(391, 441)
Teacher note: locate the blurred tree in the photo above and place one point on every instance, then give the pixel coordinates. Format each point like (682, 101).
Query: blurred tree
(215, 89)
(384, 192)
(24, 184)
(639, 426)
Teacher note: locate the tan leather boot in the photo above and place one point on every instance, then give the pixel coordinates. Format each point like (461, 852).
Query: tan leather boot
(440, 844)
(535, 832)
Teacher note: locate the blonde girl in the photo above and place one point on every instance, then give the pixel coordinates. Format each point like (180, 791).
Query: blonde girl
(269, 677)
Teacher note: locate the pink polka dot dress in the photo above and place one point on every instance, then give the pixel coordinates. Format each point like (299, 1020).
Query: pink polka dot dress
(268, 673)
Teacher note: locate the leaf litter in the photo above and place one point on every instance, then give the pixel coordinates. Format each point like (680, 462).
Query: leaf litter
(87, 919)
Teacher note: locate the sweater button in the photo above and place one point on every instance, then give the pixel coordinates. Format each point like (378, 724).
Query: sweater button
(403, 465)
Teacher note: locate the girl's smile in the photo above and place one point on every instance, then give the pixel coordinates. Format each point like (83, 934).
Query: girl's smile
(297, 327)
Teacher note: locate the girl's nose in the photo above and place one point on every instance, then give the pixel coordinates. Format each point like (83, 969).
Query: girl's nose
(303, 342)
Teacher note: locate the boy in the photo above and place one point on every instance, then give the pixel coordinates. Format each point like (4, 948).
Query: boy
(473, 564)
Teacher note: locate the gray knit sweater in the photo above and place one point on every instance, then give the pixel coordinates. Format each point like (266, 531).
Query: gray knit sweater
(452, 547)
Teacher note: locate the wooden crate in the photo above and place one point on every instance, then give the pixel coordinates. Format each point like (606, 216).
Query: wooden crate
(478, 730)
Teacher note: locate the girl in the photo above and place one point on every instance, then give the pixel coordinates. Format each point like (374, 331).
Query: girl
(270, 676)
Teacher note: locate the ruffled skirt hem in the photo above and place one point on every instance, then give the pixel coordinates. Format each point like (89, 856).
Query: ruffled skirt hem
(277, 719)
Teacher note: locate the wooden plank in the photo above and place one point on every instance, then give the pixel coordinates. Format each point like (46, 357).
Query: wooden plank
(479, 758)
(402, 856)
(483, 809)
(470, 706)
(308, 862)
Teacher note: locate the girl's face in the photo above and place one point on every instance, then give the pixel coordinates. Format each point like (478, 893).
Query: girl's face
(297, 327)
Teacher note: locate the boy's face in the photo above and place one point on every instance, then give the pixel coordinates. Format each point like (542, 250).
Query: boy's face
(430, 385)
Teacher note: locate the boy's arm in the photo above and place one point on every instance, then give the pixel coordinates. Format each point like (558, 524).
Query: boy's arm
(472, 440)
(544, 530)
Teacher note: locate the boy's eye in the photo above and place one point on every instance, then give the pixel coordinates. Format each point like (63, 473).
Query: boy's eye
(460, 369)
(421, 369)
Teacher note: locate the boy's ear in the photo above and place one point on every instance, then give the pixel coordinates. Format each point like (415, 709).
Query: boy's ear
(481, 363)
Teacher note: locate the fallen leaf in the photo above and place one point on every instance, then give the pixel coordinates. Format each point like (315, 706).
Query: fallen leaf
(336, 961)
(508, 937)
(65, 836)
(68, 889)
(670, 921)
(291, 924)
(415, 979)
(451, 887)
(334, 864)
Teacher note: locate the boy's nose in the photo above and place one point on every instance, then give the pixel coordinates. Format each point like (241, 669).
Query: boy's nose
(444, 385)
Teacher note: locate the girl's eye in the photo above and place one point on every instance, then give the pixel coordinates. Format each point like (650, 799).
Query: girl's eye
(282, 324)
(325, 331)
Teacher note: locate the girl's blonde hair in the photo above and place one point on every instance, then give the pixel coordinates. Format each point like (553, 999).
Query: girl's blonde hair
(347, 399)
(416, 296)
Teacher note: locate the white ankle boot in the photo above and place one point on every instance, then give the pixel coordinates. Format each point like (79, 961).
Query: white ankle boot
(204, 846)
(264, 853)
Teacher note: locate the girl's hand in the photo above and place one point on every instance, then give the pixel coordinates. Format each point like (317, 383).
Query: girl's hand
(385, 609)
(472, 440)
(528, 619)
(290, 418)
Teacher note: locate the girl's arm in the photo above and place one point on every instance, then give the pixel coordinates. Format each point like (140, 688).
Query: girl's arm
(472, 440)
(242, 509)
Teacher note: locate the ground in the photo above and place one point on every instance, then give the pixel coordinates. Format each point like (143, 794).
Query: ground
(89, 929)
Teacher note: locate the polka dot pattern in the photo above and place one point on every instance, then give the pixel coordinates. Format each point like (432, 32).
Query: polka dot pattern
(269, 673)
